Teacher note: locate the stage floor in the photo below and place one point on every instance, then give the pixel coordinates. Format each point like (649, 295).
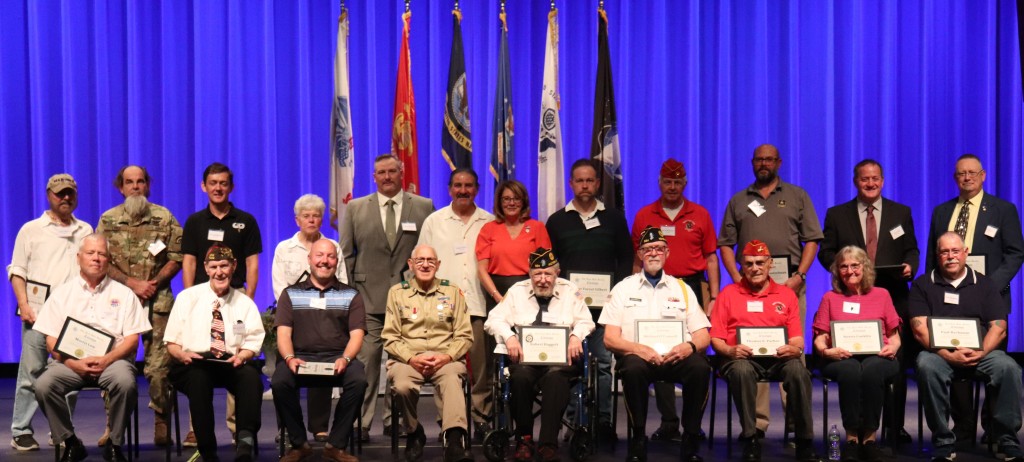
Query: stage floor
(89, 421)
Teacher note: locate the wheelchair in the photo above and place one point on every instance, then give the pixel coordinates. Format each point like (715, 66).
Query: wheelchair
(497, 442)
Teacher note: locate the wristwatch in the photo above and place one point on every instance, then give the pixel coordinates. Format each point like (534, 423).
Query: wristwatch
(347, 359)
(803, 276)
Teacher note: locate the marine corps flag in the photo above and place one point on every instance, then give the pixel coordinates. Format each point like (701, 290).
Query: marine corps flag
(503, 159)
(342, 158)
(605, 140)
(403, 129)
(456, 144)
(550, 179)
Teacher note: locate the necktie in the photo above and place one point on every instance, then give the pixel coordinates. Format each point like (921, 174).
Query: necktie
(542, 305)
(962, 220)
(872, 233)
(389, 223)
(217, 346)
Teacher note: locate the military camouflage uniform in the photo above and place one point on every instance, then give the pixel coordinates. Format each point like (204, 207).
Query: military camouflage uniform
(129, 248)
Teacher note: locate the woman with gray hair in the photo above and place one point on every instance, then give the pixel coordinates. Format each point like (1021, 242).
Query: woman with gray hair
(861, 376)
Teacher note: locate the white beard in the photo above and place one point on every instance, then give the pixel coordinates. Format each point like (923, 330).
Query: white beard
(136, 206)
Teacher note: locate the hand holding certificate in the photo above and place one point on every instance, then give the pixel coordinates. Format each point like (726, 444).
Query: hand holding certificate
(659, 334)
(764, 341)
(78, 340)
(311, 368)
(858, 337)
(954, 333)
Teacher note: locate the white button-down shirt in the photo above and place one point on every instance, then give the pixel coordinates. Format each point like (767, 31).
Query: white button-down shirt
(45, 252)
(192, 318)
(291, 259)
(111, 307)
(455, 245)
(634, 298)
(520, 308)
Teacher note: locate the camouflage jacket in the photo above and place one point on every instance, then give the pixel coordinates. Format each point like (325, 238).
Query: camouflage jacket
(132, 245)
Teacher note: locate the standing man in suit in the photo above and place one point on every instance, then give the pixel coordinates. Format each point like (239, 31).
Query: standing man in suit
(379, 233)
(990, 228)
(885, 229)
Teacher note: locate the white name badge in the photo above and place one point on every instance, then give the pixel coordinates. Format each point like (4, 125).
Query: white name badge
(756, 207)
(977, 263)
(951, 298)
(755, 306)
(668, 230)
(409, 226)
(669, 313)
(461, 248)
(216, 235)
(318, 303)
(593, 222)
(851, 307)
(156, 247)
(64, 231)
(238, 328)
(991, 231)
(896, 232)
(549, 317)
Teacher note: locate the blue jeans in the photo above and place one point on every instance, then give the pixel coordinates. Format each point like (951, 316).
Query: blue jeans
(1001, 375)
(595, 344)
(32, 365)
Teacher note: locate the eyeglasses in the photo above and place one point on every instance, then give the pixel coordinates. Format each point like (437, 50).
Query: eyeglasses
(424, 261)
(950, 252)
(765, 160)
(511, 200)
(660, 250)
(969, 174)
(850, 267)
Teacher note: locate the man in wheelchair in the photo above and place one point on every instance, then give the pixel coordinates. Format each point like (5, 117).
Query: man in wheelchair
(546, 302)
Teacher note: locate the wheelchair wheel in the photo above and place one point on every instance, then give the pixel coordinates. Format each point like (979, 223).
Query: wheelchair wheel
(581, 445)
(496, 445)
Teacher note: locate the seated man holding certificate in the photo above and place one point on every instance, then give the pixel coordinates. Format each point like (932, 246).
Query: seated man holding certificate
(320, 326)
(848, 334)
(92, 325)
(207, 353)
(657, 331)
(550, 307)
(426, 334)
(959, 318)
(757, 330)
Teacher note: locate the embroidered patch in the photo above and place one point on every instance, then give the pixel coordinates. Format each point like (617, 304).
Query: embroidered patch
(779, 307)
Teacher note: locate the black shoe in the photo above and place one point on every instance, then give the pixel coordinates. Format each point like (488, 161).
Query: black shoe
(869, 452)
(752, 450)
(638, 448)
(942, 459)
(805, 452)
(759, 434)
(689, 451)
(364, 435)
(666, 433)
(401, 431)
(414, 443)
(74, 450)
(605, 434)
(455, 446)
(851, 452)
(112, 452)
(243, 452)
(480, 430)
(900, 437)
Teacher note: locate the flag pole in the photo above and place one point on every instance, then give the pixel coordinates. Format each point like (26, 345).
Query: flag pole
(406, 6)
(552, 5)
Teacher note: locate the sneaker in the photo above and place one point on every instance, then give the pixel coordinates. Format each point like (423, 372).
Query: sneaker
(190, 440)
(524, 449)
(667, 433)
(25, 443)
(547, 453)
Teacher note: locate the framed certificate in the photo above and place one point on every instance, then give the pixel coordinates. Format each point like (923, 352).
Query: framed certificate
(763, 340)
(37, 293)
(977, 263)
(311, 368)
(593, 286)
(78, 340)
(659, 334)
(780, 268)
(858, 337)
(954, 333)
(544, 345)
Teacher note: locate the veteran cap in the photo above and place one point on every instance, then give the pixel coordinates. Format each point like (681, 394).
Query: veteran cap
(651, 234)
(219, 252)
(756, 248)
(542, 258)
(60, 182)
(672, 169)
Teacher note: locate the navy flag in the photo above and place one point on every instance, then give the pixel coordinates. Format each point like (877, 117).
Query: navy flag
(503, 160)
(605, 139)
(456, 144)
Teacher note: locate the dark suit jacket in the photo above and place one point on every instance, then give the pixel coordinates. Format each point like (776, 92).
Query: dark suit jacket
(842, 228)
(1003, 252)
(373, 267)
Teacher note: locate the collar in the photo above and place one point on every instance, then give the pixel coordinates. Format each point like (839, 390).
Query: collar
(862, 206)
(50, 220)
(99, 287)
(294, 241)
(685, 208)
(554, 293)
(382, 199)
(571, 207)
(479, 214)
(745, 288)
(975, 201)
(753, 189)
(124, 217)
(415, 286)
(308, 285)
(231, 211)
(969, 278)
(643, 278)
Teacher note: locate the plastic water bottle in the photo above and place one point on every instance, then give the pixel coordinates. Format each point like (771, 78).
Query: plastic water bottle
(833, 444)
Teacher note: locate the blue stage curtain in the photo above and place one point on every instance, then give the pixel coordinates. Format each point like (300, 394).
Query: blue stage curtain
(86, 87)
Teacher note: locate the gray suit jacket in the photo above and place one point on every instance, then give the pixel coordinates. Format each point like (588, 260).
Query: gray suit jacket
(373, 267)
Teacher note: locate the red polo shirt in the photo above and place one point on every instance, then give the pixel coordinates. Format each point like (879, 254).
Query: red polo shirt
(780, 307)
(694, 236)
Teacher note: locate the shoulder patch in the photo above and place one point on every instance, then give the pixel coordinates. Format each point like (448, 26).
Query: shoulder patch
(405, 284)
(444, 282)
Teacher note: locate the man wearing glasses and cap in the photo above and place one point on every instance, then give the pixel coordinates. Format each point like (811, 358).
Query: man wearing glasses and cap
(653, 295)
(44, 257)
(543, 300)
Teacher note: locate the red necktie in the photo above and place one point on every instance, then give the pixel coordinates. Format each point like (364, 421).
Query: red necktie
(872, 233)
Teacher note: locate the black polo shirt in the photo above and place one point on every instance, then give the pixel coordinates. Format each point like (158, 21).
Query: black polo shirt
(320, 319)
(978, 298)
(241, 234)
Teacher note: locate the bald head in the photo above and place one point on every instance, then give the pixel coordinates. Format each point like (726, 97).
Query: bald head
(323, 262)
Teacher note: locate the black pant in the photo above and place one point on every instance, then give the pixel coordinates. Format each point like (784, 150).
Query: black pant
(286, 398)
(553, 382)
(665, 392)
(198, 380)
(861, 382)
(637, 375)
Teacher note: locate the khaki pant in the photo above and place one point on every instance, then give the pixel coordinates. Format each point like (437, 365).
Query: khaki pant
(762, 410)
(447, 382)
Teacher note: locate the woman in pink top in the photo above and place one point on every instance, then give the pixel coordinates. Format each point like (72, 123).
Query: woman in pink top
(861, 377)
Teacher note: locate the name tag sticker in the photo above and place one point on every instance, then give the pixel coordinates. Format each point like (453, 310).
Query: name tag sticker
(851, 307)
(668, 230)
(549, 317)
(216, 235)
(896, 232)
(461, 248)
(156, 247)
(669, 313)
(409, 226)
(756, 207)
(991, 231)
(318, 303)
(755, 306)
(238, 328)
(951, 298)
(593, 222)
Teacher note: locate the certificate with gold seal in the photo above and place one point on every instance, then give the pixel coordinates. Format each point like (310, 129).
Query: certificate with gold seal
(765, 341)
(544, 345)
(593, 286)
(954, 333)
(780, 269)
(858, 337)
(78, 340)
(659, 334)
(37, 293)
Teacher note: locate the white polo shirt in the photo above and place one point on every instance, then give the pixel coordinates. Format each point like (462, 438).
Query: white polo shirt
(192, 318)
(455, 245)
(111, 307)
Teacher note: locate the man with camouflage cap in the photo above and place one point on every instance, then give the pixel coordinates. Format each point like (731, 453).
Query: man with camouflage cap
(145, 254)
